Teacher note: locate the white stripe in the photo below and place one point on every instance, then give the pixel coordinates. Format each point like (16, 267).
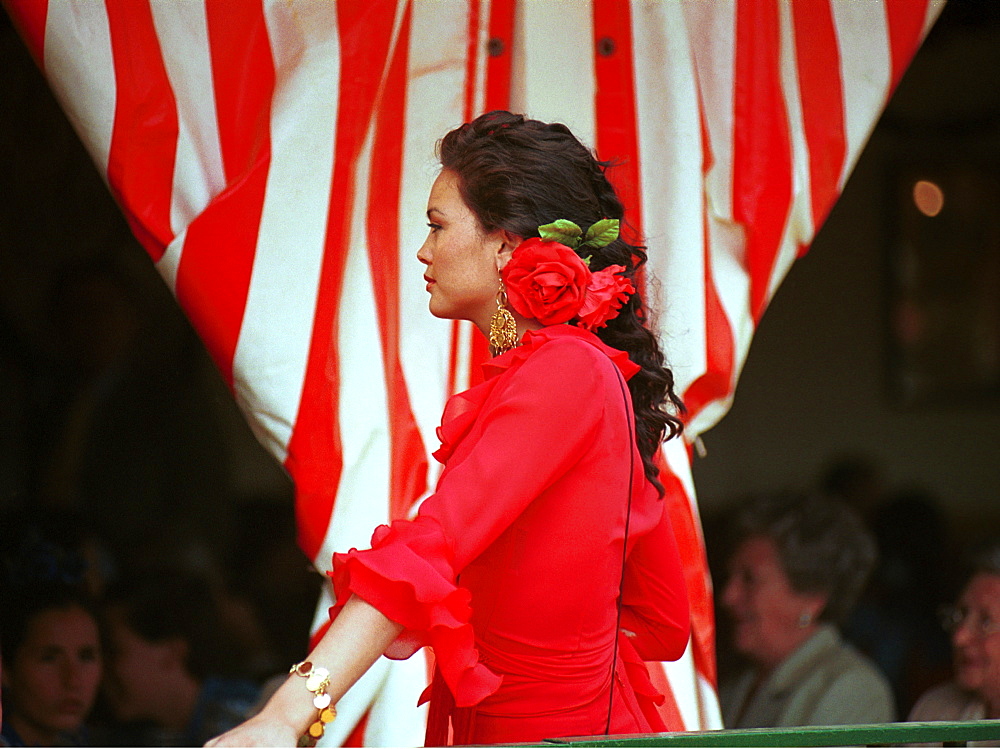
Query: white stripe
(272, 353)
(865, 70)
(395, 720)
(670, 151)
(363, 418)
(168, 264)
(547, 83)
(464, 359)
(81, 72)
(363, 491)
(712, 33)
(182, 29)
(683, 678)
(711, 715)
(436, 81)
(934, 8)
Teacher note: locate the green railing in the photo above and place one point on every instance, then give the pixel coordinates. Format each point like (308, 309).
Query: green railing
(877, 734)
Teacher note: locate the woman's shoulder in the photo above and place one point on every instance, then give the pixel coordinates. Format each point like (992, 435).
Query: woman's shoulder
(558, 350)
(946, 701)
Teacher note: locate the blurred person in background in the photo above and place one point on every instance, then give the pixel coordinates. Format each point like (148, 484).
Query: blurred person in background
(172, 678)
(797, 567)
(974, 623)
(52, 665)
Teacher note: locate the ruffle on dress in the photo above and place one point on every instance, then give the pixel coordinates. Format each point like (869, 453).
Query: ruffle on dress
(637, 673)
(462, 409)
(408, 576)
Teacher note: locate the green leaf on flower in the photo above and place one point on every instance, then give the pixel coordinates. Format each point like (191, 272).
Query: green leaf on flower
(586, 260)
(601, 234)
(562, 231)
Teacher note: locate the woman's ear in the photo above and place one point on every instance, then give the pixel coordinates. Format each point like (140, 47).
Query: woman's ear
(508, 242)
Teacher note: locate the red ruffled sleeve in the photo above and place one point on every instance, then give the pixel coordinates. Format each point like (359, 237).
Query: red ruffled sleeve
(408, 576)
(552, 401)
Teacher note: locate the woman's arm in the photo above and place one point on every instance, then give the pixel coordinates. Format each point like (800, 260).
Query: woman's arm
(655, 610)
(354, 641)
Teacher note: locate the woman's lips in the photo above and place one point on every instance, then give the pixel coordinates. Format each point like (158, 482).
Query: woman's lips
(430, 282)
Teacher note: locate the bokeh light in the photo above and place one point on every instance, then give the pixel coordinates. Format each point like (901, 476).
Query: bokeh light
(928, 197)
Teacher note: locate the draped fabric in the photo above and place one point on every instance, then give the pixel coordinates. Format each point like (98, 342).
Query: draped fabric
(274, 158)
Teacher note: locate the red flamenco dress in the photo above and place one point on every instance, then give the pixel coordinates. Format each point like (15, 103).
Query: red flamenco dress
(511, 570)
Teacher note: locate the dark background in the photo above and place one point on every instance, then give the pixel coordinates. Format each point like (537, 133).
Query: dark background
(874, 371)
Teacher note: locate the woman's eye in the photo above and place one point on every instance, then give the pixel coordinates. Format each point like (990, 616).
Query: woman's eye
(433, 227)
(49, 655)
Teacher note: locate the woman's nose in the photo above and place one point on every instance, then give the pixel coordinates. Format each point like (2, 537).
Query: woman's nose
(70, 673)
(424, 255)
(963, 633)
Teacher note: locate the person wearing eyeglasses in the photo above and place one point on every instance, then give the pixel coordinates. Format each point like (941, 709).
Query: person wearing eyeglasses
(974, 624)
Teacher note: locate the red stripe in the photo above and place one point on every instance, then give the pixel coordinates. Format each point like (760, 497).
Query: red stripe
(315, 458)
(144, 135)
(243, 76)
(471, 59)
(905, 19)
(453, 354)
(213, 277)
(29, 19)
(615, 107)
(498, 63)
(716, 382)
(762, 180)
(688, 534)
(408, 470)
(821, 92)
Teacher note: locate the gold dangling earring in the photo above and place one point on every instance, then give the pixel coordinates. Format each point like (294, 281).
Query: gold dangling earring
(503, 328)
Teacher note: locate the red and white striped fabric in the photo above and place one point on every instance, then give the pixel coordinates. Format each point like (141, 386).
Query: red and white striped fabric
(274, 158)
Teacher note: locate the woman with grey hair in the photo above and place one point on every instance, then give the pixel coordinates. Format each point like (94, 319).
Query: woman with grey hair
(974, 624)
(797, 567)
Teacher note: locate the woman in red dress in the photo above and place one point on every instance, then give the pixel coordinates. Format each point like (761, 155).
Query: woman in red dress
(543, 570)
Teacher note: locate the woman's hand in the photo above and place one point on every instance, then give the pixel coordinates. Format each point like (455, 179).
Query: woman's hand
(259, 730)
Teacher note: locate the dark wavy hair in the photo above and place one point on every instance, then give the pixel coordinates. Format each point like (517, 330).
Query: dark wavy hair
(517, 174)
(823, 545)
(164, 604)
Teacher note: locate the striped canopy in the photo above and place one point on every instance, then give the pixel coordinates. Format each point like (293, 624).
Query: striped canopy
(274, 159)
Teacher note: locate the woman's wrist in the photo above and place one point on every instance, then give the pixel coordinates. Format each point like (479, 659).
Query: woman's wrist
(291, 705)
(317, 682)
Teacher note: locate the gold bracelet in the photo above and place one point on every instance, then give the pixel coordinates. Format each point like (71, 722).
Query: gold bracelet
(317, 681)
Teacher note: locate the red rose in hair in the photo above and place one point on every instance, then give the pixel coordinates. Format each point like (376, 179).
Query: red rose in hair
(545, 281)
(606, 293)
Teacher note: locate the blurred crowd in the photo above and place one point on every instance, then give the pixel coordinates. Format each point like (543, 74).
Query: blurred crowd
(165, 653)
(840, 605)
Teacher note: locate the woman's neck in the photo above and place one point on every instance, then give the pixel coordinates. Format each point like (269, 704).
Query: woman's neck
(793, 642)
